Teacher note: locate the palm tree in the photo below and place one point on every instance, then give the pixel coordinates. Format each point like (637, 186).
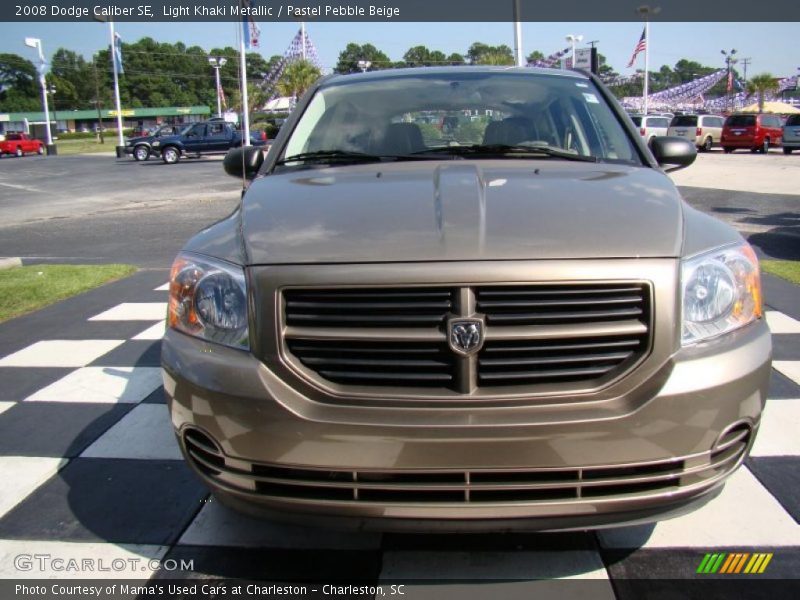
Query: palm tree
(297, 77)
(761, 85)
(495, 57)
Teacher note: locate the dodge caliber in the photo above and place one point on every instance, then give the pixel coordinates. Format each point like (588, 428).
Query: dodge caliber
(464, 298)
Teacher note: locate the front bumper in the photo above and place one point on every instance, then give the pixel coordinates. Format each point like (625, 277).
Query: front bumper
(668, 445)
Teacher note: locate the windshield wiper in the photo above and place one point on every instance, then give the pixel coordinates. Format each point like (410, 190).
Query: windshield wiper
(330, 156)
(507, 149)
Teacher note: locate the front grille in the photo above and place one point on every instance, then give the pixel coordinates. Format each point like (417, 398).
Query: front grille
(567, 337)
(479, 486)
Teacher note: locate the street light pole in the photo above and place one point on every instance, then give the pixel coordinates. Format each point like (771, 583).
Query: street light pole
(217, 64)
(730, 61)
(37, 44)
(574, 39)
(120, 137)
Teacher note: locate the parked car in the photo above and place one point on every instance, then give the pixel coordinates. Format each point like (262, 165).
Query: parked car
(650, 126)
(20, 144)
(703, 130)
(791, 134)
(141, 147)
(203, 138)
(757, 132)
(527, 328)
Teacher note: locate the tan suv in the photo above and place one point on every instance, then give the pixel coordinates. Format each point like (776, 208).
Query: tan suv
(704, 130)
(513, 321)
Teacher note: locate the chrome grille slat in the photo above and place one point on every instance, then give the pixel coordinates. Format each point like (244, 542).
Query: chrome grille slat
(563, 335)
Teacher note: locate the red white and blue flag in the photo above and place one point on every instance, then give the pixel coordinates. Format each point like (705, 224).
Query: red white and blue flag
(250, 30)
(640, 47)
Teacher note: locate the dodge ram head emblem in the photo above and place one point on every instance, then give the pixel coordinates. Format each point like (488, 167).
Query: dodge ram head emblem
(465, 335)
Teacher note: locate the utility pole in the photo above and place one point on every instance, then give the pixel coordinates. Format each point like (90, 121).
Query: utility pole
(745, 62)
(97, 101)
(730, 61)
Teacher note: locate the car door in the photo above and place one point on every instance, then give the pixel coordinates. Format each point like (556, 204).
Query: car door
(194, 140)
(218, 137)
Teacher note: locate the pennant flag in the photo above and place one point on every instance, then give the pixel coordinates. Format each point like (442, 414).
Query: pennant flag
(118, 51)
(730, 81)
(640, 47)
(250, 30)
(221, 94)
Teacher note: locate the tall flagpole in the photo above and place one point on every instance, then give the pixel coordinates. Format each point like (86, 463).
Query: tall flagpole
(517, 35)
(120, 137)
(646, 60)
(243, 70)
(303, 37)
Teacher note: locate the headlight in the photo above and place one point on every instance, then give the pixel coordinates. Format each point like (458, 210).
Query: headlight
(721, 292)
(208, 299)
(155, 144)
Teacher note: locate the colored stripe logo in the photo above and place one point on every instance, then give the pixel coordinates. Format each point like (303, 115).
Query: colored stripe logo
(734, 562)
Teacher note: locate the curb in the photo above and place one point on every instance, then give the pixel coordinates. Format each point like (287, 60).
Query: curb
(7, 263)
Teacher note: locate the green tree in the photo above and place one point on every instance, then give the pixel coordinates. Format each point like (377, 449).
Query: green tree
(535, 55)
(349, 57)
(495, 57)
(761, 85)
(19, 88)
(455, 59)
(418, 56)
(297, 77)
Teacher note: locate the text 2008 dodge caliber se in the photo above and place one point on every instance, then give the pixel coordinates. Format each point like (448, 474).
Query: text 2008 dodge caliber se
(465, 298)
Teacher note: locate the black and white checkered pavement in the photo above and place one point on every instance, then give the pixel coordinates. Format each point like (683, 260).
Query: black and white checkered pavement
(89, 468)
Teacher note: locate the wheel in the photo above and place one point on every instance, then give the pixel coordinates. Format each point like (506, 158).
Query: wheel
(787, 150)
(18, 151)
(707, 145)
(727, 149)
(40, 150)
(141, 153)
(764, 147)
(170, 155)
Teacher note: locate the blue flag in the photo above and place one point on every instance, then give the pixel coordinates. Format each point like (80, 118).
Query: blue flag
(118, 51)
(250, 31)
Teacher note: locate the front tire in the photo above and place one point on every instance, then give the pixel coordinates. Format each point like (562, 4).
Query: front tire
(727, 149)
(708, 144)
(170, 155)
(764, 147)
(40, 150)
(141, 153)
(18, 152)
(787, 150)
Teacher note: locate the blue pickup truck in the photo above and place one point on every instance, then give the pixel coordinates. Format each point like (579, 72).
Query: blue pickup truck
(209, 137)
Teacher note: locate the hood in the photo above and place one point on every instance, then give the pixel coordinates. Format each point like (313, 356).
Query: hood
(142, 138)
(461, 210)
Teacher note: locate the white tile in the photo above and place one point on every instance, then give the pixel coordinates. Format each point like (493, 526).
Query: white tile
(154, 332)
(77, 560)
(162, 288)
(4, 406)
(217, 525)
(134, 311)
(23, 474)
(566, 564)
(781, 323)
(144, 433)
(744, 514)
(102, 384)
(779, 433)
(60, 353)
(790, 368)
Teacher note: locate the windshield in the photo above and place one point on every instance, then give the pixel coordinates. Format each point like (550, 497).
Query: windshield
(793, 120)
(417, 114)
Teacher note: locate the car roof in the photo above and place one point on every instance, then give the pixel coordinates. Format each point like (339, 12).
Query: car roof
(338, 79)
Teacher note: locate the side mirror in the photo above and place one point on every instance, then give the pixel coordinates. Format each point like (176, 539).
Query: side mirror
(674, 151)
(244, 161)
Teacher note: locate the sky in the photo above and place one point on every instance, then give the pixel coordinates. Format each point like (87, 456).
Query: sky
(771, 47)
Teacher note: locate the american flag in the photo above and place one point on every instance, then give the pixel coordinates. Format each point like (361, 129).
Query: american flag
(640, 47)
(730, 81)
(250, 30)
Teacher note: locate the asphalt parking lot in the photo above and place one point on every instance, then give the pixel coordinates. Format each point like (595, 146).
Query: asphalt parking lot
(92, 470)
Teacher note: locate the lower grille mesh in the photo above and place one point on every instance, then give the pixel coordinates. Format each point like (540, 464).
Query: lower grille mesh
(463, 487)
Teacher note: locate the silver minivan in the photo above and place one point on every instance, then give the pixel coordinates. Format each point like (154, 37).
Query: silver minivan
(791, 134)
(706, 130)
(650, 126)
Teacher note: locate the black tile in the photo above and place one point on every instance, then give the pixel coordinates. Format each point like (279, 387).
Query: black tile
(786, 346)
(781, 386)
(262, 564)
(109, 500)
(489, 542)
(133, 353)
(157, 397)
(60, 429)
(781, 476)
(668, 573)
(781, 295)
(17, 383)
(104, 330)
